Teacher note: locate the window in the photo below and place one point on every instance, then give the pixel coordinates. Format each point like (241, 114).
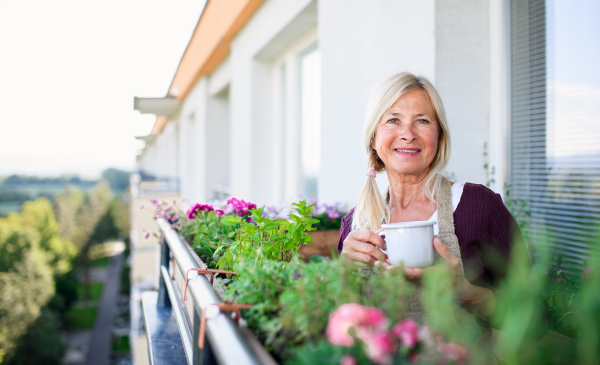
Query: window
(297, 113)
(555, 123)
(310, 100)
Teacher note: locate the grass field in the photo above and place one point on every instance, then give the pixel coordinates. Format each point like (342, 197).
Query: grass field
(121, 345)
(81, 318)
(103, 262)
(95, 291)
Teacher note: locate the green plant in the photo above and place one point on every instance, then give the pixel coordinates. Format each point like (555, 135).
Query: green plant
(206, 232)
(265, 238)
(292, 301)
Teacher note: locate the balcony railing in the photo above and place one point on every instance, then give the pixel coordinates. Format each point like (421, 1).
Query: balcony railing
(166, 313)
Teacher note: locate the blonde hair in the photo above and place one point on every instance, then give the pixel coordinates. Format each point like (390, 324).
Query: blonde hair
(372, 209)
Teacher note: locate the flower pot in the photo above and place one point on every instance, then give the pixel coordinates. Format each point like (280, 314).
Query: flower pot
(324, 243)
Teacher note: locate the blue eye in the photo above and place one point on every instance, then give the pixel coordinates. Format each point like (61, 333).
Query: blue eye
(393, 121)
(423, 121)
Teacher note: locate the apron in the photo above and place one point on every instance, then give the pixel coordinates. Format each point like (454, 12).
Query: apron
(446, 234)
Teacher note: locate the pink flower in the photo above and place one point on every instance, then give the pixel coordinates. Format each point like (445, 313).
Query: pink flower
(347, 360)
(340, 323)
(367, 320)
(219, 212)
(407, 331)
(453, 351)
(379, 346)
(154, 201)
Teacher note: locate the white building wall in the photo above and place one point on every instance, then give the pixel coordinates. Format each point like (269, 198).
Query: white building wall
(463, 82)
(274, 27)
(361, 43)
(226, 132)
(193, 116)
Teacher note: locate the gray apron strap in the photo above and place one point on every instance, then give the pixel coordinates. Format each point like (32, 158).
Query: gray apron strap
(445, 217)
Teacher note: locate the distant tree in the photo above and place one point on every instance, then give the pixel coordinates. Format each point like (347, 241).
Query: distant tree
(41, 344)
(32, 254)
(60, 251)
(26, 282)
(12, 195)
(120, 211)
(94, 206)
(66, 207)
(118, 179)
(105, 229)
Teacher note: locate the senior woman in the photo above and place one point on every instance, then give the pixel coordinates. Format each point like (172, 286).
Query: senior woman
(406, 134)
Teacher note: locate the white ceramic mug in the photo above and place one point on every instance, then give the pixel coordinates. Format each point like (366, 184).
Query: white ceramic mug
(409, 243)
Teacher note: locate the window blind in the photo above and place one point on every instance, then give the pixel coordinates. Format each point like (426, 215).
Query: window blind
(555, 124)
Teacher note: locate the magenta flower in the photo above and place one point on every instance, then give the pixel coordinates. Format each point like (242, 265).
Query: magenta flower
(160, 214)
(407, 331)
(219, 213)
(347, 360)
(197, 208)
(240, 206)
(191, 213)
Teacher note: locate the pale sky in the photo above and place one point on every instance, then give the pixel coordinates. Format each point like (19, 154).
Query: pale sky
(69, 71)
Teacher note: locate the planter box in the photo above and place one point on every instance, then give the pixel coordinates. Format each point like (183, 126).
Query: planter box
(323, 243)
(189, 307)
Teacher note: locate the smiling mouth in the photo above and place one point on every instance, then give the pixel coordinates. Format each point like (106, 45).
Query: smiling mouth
(406, 151)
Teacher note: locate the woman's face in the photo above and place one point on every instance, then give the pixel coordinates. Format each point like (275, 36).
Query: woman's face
(407, 136)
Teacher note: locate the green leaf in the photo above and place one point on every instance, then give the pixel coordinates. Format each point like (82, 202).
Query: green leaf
(229, 220)
(295, 218)
(229, 257)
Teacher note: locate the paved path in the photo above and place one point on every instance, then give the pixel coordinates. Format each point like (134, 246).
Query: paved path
(101, 344)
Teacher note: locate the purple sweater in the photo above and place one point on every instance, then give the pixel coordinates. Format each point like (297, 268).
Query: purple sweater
(485, 229)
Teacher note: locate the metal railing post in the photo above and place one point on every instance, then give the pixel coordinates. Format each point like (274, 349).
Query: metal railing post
(201, 356)
(163, 295)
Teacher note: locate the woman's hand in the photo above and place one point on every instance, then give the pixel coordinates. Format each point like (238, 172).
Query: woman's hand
(481, 301)
(362, 246)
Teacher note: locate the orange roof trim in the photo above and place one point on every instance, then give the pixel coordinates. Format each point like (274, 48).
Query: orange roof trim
(219, 23)
(159, 125)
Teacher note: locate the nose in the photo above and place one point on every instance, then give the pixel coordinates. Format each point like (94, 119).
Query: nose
(407, 133)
